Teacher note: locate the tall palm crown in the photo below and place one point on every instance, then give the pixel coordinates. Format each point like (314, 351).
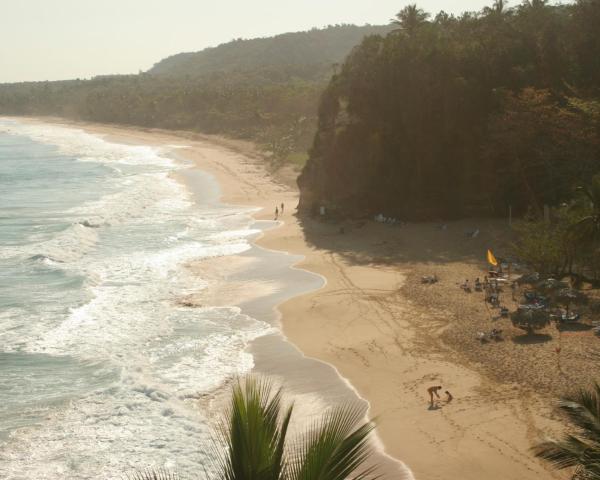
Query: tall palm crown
(496, 9)
(580, 451)
(410, 18)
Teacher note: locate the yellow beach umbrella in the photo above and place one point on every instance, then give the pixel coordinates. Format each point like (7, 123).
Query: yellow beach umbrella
(491, 259)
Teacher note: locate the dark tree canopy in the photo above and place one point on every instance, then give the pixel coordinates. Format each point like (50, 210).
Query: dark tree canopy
(463, 115)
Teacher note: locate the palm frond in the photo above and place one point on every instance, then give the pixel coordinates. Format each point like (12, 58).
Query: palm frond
(584, 412)
(154, 474)
(582, 449)
(335, 448)
(562, 454)
(253, 432)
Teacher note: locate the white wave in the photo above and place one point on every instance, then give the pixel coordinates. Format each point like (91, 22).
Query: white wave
(235, 234)
(151, 197)
(87, 147)
(68, 246)
(131, 245)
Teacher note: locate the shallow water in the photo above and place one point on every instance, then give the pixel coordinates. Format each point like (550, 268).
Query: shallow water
(99, 365)
(103, 371)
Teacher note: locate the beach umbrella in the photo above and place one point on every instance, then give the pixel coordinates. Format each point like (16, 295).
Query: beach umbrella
(550, 285)
(528, 279)
(567, 296)
(530, 319)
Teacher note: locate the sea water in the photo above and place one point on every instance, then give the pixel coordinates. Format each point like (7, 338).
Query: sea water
(100, 366)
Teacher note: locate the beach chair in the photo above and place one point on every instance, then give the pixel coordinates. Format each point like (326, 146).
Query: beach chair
(569, 317)
(429, 279)
(495, 334)
(493, 299)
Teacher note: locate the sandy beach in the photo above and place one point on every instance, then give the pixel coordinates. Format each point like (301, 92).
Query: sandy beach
(389, 336)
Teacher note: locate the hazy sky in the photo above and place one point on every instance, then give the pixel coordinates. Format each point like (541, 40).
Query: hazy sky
(59, 39)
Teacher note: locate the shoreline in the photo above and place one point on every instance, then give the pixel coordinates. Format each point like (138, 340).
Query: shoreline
(361, 323)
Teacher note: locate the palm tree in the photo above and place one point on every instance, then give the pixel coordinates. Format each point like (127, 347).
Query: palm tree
(580, 451)
(409, 19)
(496, 10)
(255, 436)
(252, 442)
(534, 5)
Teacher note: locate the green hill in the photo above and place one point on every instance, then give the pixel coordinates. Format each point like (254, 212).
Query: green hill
(310, 54)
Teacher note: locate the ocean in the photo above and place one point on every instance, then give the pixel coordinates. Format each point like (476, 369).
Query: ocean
(101, 367)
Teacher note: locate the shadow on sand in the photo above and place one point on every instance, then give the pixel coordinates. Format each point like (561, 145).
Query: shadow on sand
(531, 339)
(574, 327)
(362, 242)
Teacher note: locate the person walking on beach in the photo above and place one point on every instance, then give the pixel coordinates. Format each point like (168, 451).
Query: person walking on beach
(433, 391)
(276, 212)
(282, 207)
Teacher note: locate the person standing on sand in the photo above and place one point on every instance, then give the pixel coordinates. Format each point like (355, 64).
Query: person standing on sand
(282, 207)
(276, 212)
(434, 391)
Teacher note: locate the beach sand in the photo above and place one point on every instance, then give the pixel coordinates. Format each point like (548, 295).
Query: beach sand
(389, 336)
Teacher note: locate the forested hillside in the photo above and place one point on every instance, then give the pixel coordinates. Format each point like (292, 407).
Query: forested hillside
(451, 116)
(266, 90)
(306, 55)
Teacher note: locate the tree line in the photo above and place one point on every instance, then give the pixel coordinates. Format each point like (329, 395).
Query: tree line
(266, 90)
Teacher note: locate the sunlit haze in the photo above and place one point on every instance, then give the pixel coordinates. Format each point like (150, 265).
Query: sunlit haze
(62, 39)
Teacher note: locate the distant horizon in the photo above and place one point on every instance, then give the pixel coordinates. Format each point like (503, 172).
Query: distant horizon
(68, 40)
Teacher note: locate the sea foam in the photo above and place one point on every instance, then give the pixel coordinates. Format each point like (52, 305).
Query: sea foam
(107, 266)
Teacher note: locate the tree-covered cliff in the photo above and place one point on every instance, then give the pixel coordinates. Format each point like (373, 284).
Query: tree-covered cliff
(452, 116)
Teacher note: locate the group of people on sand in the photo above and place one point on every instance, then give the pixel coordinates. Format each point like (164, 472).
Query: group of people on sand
(279, 210)
(433, 391)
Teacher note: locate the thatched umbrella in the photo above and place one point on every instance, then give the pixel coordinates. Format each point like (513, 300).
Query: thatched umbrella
(528, 279)
(567, 296)
(550, 285)
(530, 319)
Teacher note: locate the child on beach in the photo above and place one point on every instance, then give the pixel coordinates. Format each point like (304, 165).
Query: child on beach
(433, 391)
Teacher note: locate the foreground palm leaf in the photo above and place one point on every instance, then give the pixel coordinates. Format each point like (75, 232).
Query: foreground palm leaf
(254, 433)
(580, 451)
(160, 474)
(334, 448)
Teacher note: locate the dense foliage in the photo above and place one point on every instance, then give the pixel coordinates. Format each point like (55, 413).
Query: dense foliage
(462, 115)
(567, 240)
(579, 451)
(306, 55)
(266, 90)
